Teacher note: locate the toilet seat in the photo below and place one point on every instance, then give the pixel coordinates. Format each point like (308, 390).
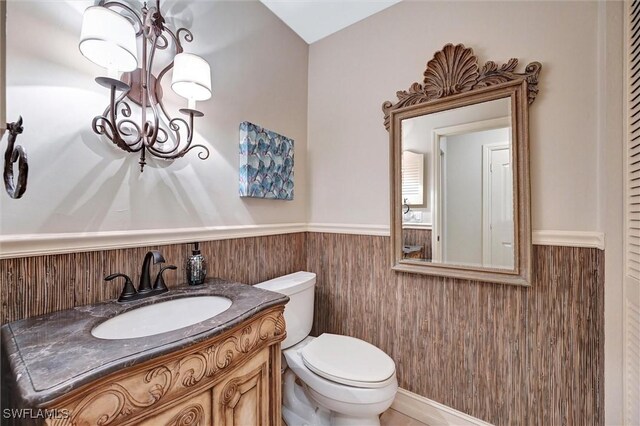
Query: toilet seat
(336, 391)
(348, 361)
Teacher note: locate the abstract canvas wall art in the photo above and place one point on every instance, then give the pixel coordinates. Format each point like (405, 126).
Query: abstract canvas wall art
(266, 163)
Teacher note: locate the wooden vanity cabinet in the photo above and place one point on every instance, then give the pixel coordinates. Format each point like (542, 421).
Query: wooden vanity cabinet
(231, 379)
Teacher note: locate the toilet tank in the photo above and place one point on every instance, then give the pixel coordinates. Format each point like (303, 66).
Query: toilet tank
(298, 313)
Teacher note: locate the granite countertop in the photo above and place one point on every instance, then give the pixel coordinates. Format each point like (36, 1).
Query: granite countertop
(53, 354)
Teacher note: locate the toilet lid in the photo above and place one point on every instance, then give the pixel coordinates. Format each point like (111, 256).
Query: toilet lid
(349, 361)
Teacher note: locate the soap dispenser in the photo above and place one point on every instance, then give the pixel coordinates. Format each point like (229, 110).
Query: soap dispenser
(196, 267)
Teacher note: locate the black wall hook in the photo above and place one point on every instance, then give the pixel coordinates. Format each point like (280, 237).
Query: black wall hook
(11, 155)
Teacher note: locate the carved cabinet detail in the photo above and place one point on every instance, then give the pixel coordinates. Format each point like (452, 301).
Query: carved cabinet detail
(243, 398)
(196, 411)
(231, 379)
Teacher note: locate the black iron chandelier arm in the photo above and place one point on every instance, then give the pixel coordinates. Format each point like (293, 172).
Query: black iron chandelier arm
(165, 42)
(160, 135)
(109, 126)
(125, 128)
(130, 14)
(174, 126)
(165, 70)
(118, 127)
(203, 154)
(188, 37)
(103, 126)
(158, 87)
(163, 136)
(151, 130)
(126, 109)
(176, 42)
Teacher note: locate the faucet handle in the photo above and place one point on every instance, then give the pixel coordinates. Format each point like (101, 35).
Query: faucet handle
(160, 284)
(157, 256)
(128, 292)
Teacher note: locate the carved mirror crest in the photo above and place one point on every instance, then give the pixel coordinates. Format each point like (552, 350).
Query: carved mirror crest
(465, 211)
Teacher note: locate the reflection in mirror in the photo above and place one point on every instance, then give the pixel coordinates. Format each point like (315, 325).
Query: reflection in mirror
(469, 122)
(467, 215)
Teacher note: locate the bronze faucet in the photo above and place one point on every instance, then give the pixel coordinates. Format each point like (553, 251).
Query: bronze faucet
(129, 293)
(145, 279)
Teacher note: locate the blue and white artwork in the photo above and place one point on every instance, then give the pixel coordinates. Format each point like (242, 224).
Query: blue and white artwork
(266, 163)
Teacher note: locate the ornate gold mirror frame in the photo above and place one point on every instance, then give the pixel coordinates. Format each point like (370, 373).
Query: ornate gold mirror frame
(453, 79)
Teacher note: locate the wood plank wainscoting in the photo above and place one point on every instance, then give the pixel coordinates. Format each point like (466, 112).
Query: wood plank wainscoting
(76, 279)
(504, 354)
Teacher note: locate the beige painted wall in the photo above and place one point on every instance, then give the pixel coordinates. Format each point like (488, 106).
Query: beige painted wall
(352, 72)
(79, 183)
(575, 133)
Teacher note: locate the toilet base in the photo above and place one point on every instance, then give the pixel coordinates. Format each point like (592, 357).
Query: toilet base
(300, 408)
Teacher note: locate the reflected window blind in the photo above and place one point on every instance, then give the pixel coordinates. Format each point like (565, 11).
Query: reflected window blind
(632, 202)
(412, 178)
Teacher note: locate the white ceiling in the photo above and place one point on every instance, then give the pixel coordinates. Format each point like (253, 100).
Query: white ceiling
(316, 19)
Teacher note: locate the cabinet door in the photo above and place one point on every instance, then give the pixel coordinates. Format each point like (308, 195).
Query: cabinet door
(243, 398)
(196, 411)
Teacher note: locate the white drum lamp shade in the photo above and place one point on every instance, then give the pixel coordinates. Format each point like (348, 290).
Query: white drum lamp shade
(191, 77)
(108, 39)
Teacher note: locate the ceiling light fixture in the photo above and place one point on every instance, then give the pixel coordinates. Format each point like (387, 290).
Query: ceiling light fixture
(109, 39)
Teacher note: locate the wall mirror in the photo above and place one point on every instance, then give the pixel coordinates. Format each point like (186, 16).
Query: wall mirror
(460, 202)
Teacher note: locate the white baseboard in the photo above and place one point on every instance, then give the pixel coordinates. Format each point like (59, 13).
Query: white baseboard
(24, 245)
(430, 412)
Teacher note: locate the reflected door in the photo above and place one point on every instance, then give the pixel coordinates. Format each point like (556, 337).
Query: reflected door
(498, 198)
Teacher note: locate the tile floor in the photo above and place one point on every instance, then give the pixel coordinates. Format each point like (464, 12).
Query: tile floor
(395, 418)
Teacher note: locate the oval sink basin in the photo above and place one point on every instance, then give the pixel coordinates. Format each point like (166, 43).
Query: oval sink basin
(161, 317)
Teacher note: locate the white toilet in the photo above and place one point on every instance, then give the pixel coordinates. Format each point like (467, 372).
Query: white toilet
(345, 381)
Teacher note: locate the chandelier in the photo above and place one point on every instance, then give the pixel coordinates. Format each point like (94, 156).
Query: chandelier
(109, 38)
